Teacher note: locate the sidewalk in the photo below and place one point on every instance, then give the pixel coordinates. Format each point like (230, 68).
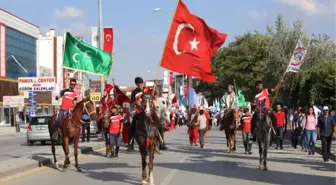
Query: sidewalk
(43, 158)
(5, 129)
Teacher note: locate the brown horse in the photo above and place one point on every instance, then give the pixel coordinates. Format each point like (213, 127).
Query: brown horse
(229, 124)
(147, 135)
(106, 126)
(70, 128)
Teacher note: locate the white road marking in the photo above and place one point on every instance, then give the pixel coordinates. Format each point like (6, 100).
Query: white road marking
(172, 173)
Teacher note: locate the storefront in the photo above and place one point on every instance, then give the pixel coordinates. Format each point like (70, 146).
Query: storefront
(18, 58)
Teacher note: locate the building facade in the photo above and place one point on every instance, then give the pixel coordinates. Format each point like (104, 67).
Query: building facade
(18, 58)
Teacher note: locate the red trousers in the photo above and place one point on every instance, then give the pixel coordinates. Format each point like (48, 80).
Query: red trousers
(125, 135)
(193, 136)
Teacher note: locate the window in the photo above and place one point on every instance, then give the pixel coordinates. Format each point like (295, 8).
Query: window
(23, 48)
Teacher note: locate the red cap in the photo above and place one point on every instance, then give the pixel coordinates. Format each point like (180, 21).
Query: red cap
(108, 88)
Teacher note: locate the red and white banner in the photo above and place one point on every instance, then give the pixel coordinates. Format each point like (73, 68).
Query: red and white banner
(171, 77)
(297, 58)
(108, 40)
(2, 50)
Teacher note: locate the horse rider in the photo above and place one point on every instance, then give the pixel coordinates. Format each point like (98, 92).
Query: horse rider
(135, 104)
(106, 102)
(230, 100)
(69, 98)
(265, 107)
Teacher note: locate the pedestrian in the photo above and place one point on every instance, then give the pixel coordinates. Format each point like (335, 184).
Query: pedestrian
(326, 130)
(202, 126)
(246, 130)
(126, 124)
(310, 125)
(85, 127)
(280, 122)
(298, 131)
(115, 132)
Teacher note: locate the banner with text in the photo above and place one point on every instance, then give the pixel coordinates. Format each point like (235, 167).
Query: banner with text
(36, 84)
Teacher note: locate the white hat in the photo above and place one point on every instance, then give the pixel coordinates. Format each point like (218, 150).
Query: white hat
(325, 108)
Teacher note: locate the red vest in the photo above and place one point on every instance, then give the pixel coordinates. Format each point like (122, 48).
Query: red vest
(246, 125)
(263, 95)
(115, 124)
(68, 100)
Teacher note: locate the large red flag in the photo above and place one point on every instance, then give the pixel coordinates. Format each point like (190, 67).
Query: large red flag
(120, 96)
(108, 40)
(190, 45)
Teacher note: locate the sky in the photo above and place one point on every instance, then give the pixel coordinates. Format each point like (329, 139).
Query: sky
(140, 32)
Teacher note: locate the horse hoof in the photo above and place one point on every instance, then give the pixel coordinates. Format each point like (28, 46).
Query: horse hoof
(56, 166)
(265, 168)
(261, 167)
(144, 182)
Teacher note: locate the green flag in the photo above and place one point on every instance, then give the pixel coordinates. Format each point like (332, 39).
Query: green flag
(241, 98)
(83, 57)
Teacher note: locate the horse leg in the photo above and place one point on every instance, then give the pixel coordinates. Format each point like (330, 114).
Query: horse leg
(76, 141)
(151, 163)
(53, 150)
(66, 152)
(234, 141)
(260, 154)
(227, 142)
(265, 151)
(144, 164)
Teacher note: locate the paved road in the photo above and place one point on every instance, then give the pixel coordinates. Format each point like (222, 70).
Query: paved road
(15, 145)
(184, 164)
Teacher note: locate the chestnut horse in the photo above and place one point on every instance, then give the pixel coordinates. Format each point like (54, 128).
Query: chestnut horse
(147, 136)
(229, 124)
(106, 127)
(70, 127)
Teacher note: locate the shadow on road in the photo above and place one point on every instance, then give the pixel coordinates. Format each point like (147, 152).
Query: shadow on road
(242, 171)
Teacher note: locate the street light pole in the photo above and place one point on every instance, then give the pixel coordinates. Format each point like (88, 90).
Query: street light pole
(101, 40)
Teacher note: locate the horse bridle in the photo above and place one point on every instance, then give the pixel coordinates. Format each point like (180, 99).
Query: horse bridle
(85, 109)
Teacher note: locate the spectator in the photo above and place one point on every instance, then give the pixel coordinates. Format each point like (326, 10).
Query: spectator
(310, 125)
(326, 124)
(280, 123)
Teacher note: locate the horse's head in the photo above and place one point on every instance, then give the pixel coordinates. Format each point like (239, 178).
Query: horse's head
(147, 104)
(88, 107)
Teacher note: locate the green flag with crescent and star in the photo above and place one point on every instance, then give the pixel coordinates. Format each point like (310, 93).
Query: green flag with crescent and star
(241, 98)
(83, 57)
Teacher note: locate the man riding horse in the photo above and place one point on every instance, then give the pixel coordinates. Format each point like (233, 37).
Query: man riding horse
(230, 118)
(106, 104)
(135, 104)
(69, 98)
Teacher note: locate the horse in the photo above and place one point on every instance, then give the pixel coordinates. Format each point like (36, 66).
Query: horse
(262, 130)
(229, 124)
(105, 130)
(146, 135)
(70, 128)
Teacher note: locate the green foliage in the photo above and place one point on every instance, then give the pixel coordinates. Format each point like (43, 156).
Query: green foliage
(256, 56)
(316, 84)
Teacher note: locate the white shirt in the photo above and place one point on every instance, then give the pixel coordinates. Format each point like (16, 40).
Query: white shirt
(202, 121)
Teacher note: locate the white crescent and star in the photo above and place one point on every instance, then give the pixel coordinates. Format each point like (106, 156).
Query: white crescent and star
(192, 43)
(108, 37)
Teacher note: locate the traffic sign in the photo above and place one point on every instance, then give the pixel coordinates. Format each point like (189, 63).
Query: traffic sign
(95, 96)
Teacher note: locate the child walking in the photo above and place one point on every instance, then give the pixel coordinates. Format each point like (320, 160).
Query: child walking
(115, 133)
(246, 129)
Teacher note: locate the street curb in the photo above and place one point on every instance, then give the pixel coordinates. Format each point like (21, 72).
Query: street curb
(32, 162)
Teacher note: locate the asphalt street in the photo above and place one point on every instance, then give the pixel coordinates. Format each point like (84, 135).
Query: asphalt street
(184, 164)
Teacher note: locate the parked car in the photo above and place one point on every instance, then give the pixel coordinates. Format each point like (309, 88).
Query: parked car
(38, 130)
(93, 128)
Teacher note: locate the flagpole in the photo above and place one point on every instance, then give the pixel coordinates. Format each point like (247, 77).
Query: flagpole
(171, 23)
(100, 28)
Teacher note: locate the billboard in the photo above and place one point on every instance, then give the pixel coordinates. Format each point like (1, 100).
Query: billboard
(36, 84)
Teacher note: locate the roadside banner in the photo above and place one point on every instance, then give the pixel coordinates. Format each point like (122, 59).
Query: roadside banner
(13, 101)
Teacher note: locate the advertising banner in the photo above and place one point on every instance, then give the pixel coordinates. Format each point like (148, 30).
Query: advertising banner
(13, 101)
(36, 84)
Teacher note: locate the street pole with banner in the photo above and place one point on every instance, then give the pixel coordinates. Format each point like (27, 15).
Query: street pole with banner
(101, 40)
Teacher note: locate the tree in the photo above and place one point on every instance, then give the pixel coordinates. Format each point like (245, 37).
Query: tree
(316, 84)
(241, 61)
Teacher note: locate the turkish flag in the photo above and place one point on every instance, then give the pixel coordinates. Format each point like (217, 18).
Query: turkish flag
(108, 39)
(190, 45)
(120, 96)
